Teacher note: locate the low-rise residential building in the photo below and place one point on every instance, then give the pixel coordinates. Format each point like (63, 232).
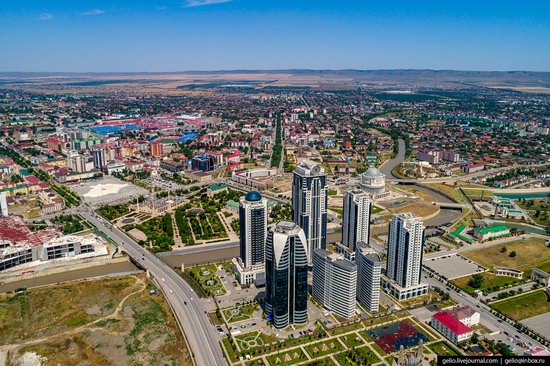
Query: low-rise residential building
(472, 168)
(450, 327)
(466, 315)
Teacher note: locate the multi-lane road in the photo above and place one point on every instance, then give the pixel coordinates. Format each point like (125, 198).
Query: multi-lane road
(202, 338)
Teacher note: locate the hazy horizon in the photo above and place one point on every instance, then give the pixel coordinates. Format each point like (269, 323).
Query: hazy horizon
(272, 70)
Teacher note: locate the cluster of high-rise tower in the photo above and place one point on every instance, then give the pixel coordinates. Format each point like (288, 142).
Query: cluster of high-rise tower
(281, 255)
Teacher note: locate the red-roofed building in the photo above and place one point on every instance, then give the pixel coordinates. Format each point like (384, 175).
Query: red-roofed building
(55, 143)
(451, 328)
(472, 168)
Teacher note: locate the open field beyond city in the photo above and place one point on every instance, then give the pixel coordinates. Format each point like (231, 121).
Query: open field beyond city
(108, 321)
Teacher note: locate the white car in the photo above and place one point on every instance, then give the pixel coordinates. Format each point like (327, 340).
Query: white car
(171, 291)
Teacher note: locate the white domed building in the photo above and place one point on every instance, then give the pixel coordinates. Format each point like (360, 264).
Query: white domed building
(373, 181)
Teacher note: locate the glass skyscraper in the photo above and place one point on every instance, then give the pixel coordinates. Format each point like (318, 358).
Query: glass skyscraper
(309, 204)
(253, 233)
(286, 266)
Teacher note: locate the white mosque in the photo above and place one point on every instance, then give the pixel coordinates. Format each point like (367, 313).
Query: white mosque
(373, 181)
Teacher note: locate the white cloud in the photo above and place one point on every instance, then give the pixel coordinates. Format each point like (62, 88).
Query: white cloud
(45, 16)
(195, 3)
(93, 12)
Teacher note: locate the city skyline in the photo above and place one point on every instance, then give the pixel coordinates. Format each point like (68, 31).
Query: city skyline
(242, 34)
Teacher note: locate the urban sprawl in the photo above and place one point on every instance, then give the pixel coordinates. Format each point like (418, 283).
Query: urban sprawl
(371, 225)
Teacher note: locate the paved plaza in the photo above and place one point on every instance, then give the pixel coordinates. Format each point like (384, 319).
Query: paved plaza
(453, 266)
(107, 189)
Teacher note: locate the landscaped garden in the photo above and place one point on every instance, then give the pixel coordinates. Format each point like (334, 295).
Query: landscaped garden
(324, 348)
(289, 357)
(239, 313)
(202, 222)
(352, 340)
(250, 341)
(391, 337)
(111, 212)
(184, 229)
(524, 306)
(357, 356)
(205, 276)
(159, 232)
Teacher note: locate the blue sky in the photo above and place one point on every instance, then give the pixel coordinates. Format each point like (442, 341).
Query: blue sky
(134, 35)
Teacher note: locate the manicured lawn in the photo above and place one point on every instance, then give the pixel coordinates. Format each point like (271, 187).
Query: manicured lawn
(352, 340)
(524, 306)
(489, 280)
(289, 357)
(324, 348)
(252, 340)
(345, 329)
(239, 313)
(379, 320)
(530, 252)
(375, 209)
(443, 349)
(206, 277)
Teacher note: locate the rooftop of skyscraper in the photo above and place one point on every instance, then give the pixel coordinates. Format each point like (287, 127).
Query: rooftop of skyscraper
(253, 196)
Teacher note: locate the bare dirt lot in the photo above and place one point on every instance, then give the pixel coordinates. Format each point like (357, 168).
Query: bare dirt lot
(108, 321)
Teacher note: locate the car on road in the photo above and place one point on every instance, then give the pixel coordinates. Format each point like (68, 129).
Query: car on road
(171, 291)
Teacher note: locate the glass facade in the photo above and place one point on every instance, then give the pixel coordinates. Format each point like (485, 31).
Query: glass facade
(286, 276)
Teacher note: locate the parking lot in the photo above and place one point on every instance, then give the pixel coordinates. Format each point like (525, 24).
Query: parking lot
(453, 266)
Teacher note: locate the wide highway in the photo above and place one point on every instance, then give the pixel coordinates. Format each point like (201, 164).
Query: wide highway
(201, 336)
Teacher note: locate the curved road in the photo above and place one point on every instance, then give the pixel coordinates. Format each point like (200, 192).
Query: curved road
(201, 336)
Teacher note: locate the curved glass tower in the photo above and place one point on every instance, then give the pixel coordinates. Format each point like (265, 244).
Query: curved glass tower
(309, 203)
(286, 266)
